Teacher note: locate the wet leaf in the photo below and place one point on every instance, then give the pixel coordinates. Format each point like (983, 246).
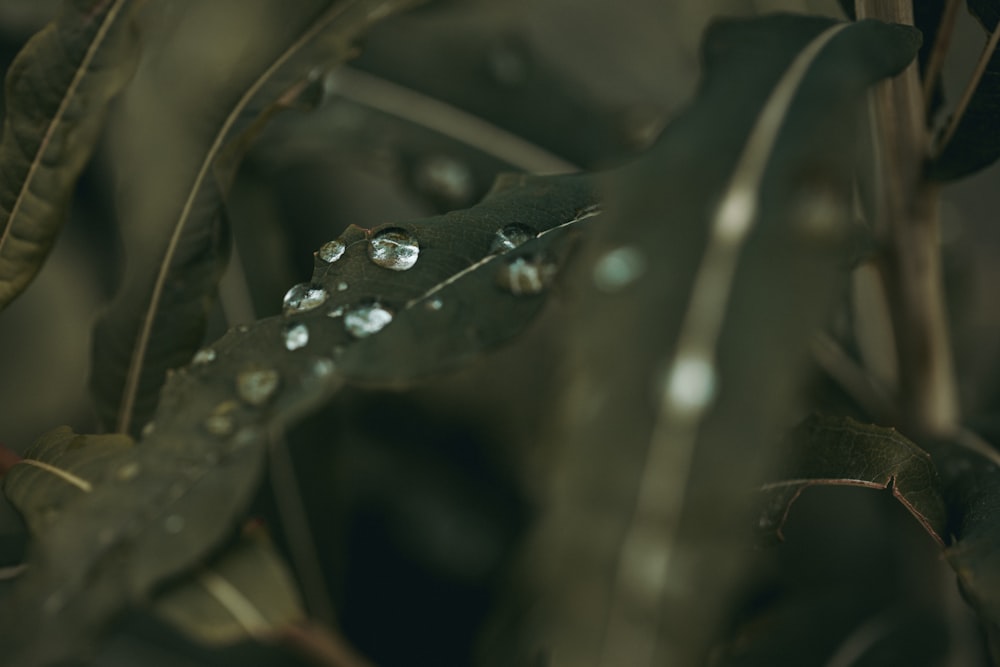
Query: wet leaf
(683, 360)
(57, 93)
(245, 593)
(841, 451)
(206, 448)
(976, 142)
(215, 76)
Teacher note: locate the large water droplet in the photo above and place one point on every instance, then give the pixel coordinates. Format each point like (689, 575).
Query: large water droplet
(303, 297)
(331, 251)
(203, 356)
(618, 268)
(394, 249)
(510, 237)
(526, 275)
(258, 386)
(366, 319)
(295, 335)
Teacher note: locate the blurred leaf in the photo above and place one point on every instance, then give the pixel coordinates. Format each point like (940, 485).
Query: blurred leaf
(246, 593)
(684, 360)
(197, 100)
(976, 142)
(57, 92)
(841, 451)
(198, 467)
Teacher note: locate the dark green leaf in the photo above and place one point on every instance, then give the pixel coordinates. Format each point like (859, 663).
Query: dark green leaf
(199, 466)
(683, 357)
(221, 71)
(976, 142)
(841, 451)
(57, 93)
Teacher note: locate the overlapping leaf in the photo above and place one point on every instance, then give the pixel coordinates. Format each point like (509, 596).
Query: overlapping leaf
(197, 469)
(57, 93)
(841, 451)
(220, 71)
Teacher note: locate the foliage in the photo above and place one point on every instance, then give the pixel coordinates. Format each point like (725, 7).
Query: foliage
(531, 420)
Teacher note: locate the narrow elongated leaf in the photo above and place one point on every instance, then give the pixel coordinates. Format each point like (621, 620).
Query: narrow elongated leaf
(841, 451)
(975, 144)
(685, 311)
(223, 69)
(199, 466)
(57, 93)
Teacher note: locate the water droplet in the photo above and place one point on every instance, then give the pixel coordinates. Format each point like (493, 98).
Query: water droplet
(526, 275)
(203, 356)
(174, 524)
(618, 268)
(691, 384)
(243, 328)
(148, 429)
(435, 304)
(303, 297)
(394, 249)
(342, 286)
(128, 471)
(295, 335)
(219, 424)
(444, 178)
(258, 386)
(331, 251)
(336, 312)
(510, 237)
(366, 319)
(323, 367)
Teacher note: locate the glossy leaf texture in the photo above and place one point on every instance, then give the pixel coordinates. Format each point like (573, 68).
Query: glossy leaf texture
(746, 193)
(212, 77)
(975, 144)
(57, 92)
(824, 451)
(200, 463)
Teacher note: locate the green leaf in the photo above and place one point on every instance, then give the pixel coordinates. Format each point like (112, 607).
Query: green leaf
(687, 344)
(199, 465)
(975, 144)
(245, 593)
(218, 74)
(840, 451)
(57, 93)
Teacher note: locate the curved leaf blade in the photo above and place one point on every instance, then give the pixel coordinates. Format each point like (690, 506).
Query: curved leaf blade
(826, 451)
(57, 91)
(158, 318)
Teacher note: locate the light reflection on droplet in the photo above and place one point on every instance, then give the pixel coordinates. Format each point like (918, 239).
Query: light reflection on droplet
(303, 297)
(257, 387)
(525, 276)
(295, 336)
(203, 356)
(331, 251)
(366, 319)
(510, 237)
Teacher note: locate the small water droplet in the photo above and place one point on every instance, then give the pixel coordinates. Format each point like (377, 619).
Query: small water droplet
(435, 304)
(331, 251)
(510, 237)
(128, 471)
(394, 249)
(148, 429)
(444, 178)
(526, 275)
(342, 286)
(258, 386)
(203, 356)
(303, 297)
(323, 367)
(618, 268)
(366, 319)
(295, 335)
(219, 424)
(691, 384)
(336, 312)
(243, 328)
(174, 524)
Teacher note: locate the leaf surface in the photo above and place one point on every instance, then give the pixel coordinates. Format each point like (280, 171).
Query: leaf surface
(841, 451)
(221, 71)
(57, 93)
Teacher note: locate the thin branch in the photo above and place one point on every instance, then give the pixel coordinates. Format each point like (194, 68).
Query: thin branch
(419, 109)
(853, 379)
(940, 49)
(970, 90)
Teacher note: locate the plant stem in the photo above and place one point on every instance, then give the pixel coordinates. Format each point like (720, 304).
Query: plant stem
(970, 90)
(940, 49)
(912, 264)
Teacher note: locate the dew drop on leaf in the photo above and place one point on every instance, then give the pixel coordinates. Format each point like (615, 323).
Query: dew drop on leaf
(336, 312)
(618, 269)
(303, 297)
(342, 286)
(258, 386)
(148, 429)
(331, 251)
(203, 356)
(295, 336)
(510, 237)
(323, 367)
(435, 304)
(394, 249)
(526, 275)
(366, 319)
(219, 424)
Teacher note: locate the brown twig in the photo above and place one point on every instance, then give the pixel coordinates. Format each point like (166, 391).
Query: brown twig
(941, 43)
(970, 90)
